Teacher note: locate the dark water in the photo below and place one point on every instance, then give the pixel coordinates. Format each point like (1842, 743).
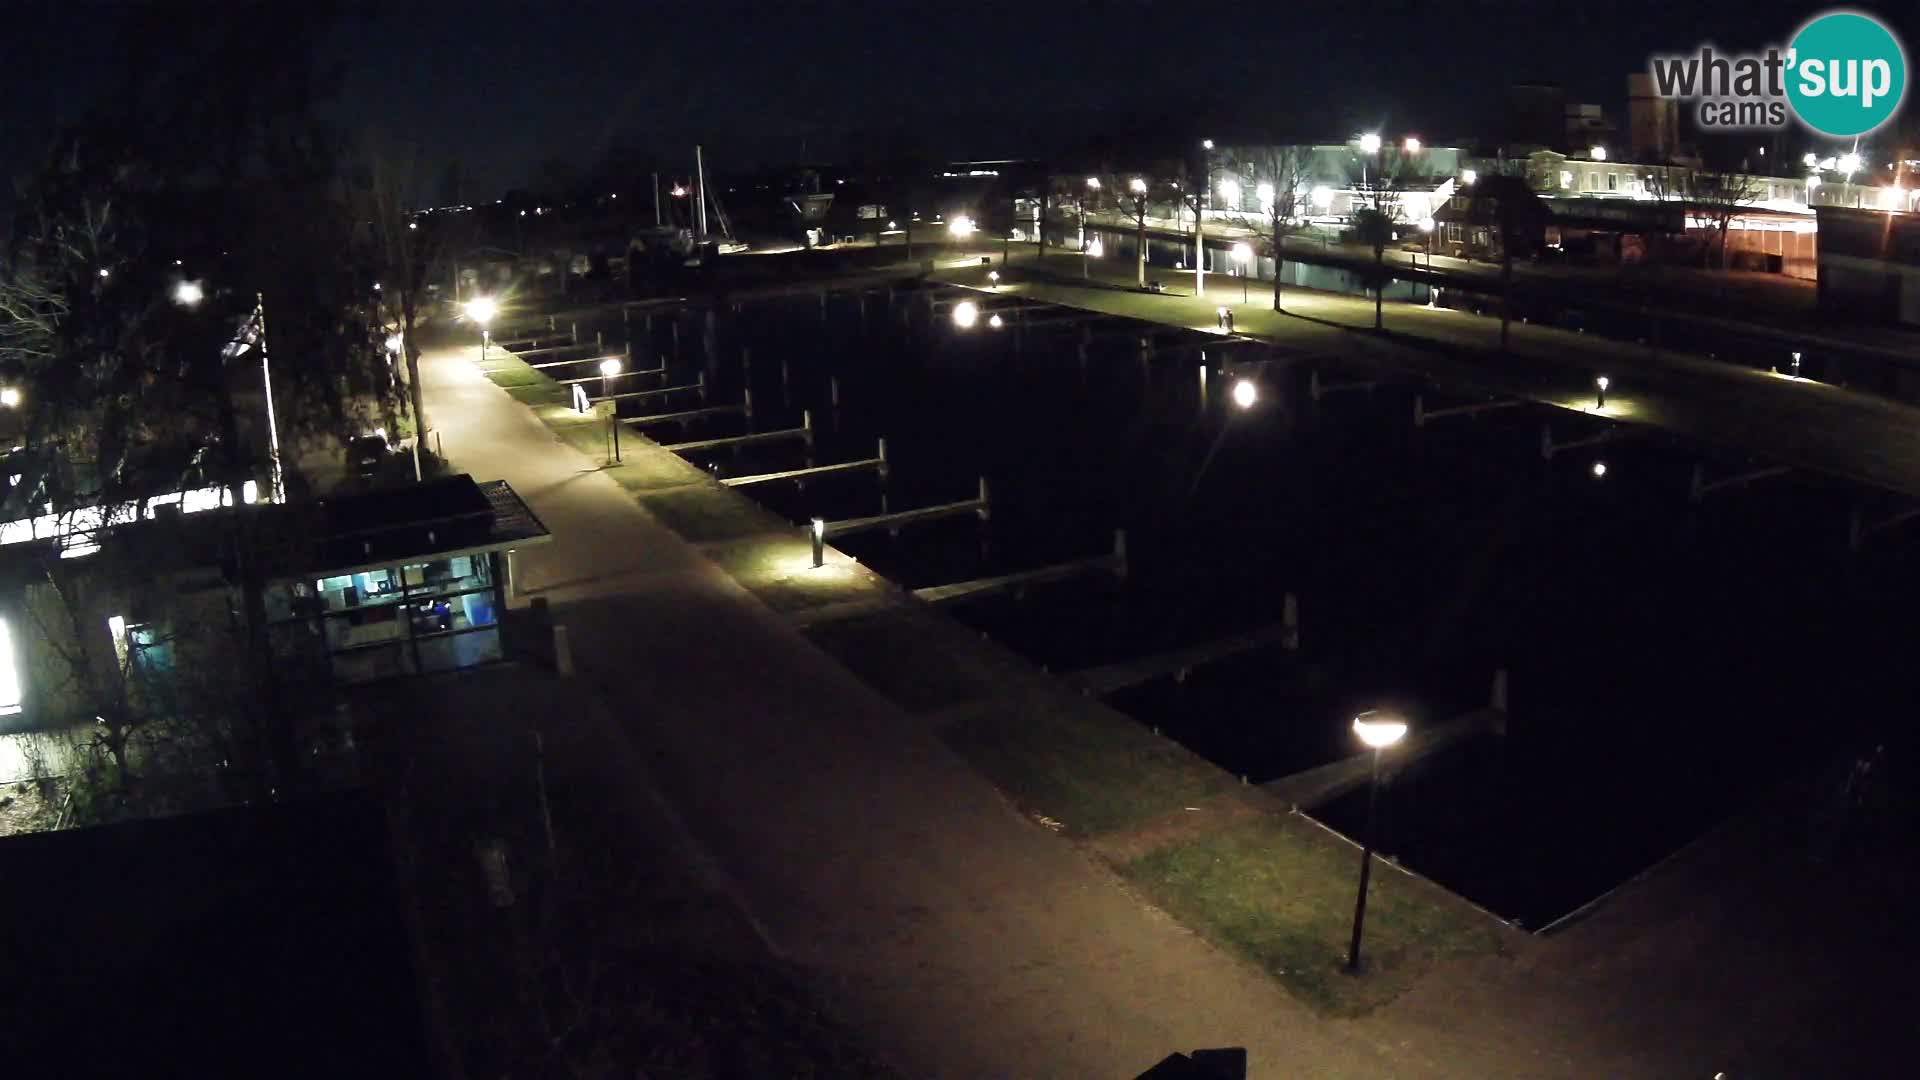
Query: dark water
(1668, 660)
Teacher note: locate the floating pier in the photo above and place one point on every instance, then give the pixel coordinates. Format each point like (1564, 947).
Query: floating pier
(1114, 562)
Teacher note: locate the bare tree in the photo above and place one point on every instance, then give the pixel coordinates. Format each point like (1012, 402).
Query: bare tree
(1131, 195)
(1712, 196)
(403, 254)
(1280, 175)
(1377, 208)
(1514, 215)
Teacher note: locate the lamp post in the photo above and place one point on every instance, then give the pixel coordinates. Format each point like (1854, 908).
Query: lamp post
(1245, 394)
(481, 309)
(1379, 731)
(608, 369)
(1369, 146)
(1243, 257)
(1200, 199)
(1426, 226)
(1600, 391)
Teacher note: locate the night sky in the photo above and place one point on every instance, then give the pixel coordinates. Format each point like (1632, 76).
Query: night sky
(502, 87)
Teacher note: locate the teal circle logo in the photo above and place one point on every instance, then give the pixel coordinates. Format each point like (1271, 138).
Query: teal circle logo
(1846, 74)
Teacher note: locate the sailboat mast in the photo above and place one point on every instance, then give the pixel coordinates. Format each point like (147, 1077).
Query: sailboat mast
(700, 189)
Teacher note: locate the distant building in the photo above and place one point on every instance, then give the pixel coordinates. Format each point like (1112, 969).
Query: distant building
(1587, 126)
(1653, 122)
(1870, 264)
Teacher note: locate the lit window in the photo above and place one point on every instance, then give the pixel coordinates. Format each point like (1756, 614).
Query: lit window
(9, 674)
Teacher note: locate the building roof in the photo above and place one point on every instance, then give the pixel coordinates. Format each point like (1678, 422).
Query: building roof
(454, 515)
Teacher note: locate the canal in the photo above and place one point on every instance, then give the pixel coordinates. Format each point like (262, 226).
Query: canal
(1668, 661)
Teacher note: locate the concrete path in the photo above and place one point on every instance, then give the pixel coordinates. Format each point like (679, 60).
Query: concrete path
(961, 939)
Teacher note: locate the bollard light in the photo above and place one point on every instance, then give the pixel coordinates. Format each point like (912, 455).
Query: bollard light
(996, 322)
(1245, 394)
(994, 277)
(1796, 364)
(1378, 730)
(965, 314)
(609, 367)
(1600, 387)
(819, 533)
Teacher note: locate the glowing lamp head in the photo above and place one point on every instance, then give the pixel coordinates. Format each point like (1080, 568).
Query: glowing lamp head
(1468, 176)
(1599, 469)
(1220, 312)
(105, 273)
(1597, 153)
(1093, 183)
(1230, 190)
(1813, 181)
(1206, 144)
(188, 293)
(609, 367)
(1412, 145)
(1264, 192)
(1426, 224)
(1811, 161)
(394, 343)
(1370, 143)
(819, 526)
(1850, 163)
(993, 276)
(1137, 185)
(996, 322)
(1603, 382)
(965, 314)
(1245, 394)
(1243, 253)
(10, 397)
(961, 226)
(1322, 196)
(1379, 730)
(482, 309)
(1095, 248)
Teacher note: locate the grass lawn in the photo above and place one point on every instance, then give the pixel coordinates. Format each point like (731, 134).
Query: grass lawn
(1279, 891)
(1078, 762)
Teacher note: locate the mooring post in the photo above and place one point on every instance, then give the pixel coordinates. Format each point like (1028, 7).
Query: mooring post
(818, 530)
(806, 425)
(552, 327)
(746, 406)
(986, 506)
(573, 332)
(1290, 623)
(881, 453)
(700, 384)
(599, 339)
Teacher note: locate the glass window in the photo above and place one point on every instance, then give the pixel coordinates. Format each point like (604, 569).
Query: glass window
(442, 577)
(9, 674)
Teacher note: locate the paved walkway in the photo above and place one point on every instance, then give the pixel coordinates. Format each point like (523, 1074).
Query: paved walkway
(960, 939)
(1825, 428)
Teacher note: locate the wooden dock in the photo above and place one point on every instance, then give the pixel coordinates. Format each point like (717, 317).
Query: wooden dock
(1114, 562)
(1112, 678)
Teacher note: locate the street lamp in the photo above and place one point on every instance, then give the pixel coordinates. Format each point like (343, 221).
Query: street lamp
(1245, 394)
(996, 322)
(1468, 176)
(1243, 257)
(1412, 144)
(10, 397)
(965, 314)
(188, 293)
(1599, 470)
(608, 369)
(1370, 146)
(1849, 163)
(1600, 385)
(960, 227)
(1230, 193)
(1378, 731)
(482, 309)
(1137, 185)
(1597, 153)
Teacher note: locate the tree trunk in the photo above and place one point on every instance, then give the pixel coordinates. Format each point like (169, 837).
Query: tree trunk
(1199, 250)
(1379, 280)
(1506, 292)
(1279, 260)
(1140, 247)
(415, 400)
